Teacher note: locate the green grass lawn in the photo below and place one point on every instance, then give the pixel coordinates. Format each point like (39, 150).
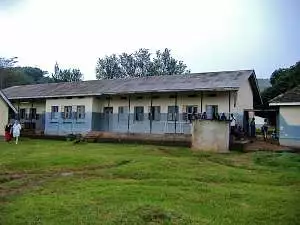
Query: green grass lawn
(56, 182)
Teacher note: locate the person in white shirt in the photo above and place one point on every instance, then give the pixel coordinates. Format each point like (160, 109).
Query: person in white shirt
(233, 120)
(16, 130)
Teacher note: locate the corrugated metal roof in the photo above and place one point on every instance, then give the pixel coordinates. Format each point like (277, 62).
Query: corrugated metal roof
(290, 96)
(222, 81)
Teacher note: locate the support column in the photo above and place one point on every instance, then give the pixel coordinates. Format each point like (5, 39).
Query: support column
(128, 119)
(108, 114)
(229, 103)
(176, 112)
(201, 105)
(150, 114)
(18, 117)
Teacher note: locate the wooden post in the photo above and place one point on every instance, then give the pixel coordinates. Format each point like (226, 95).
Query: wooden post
(229, 94)
(128, 120)
(150, 114)
(18, 117)
(176, 113)
(201, 106)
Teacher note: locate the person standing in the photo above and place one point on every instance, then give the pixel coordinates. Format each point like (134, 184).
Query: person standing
(232, 123)
(265, 129)
(16, 130)
(252, 127)
(8, 128)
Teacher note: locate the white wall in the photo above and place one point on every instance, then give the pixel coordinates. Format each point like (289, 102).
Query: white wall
(289, 122)
(40, 106)
(291, 115)
(244, 97)
(221, 99)
(3, 116)
(61, 102)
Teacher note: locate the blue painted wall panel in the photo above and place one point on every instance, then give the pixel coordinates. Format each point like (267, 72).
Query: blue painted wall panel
(71, 126)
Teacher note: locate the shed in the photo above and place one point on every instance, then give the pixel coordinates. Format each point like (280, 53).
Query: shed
(288, 105)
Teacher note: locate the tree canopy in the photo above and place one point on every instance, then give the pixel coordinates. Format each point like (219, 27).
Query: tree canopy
(11, 75)
(139, 64)
(66, 75)
(282, 80)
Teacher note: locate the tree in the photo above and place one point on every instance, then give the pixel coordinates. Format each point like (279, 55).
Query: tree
(67, 75)
(139, 64)
(8, 62)
(282, 80)
(165, 64)
(109, 68)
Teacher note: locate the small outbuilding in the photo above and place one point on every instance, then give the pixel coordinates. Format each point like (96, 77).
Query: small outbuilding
(288, 105)
(5, 106)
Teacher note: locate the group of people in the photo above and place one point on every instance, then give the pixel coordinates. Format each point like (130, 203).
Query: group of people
(13, 131)
(203, 116)
(264, 128)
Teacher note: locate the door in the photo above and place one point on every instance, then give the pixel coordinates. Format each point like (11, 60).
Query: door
(108, 118)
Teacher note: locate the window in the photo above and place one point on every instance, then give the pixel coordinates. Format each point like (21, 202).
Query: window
(173, 113)
(154, 113)
(80, 112)
(139, 113)
(32, 113)
(54, 112)
(22, 113)
(190, 111)
(211, 111)
(68, 112)
(121, 110)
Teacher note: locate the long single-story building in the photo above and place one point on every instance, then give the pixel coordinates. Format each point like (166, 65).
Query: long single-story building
(5, 107)
(156, 104)
(289, 119)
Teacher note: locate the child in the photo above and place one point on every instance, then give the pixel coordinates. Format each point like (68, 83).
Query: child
(265, 129)
(16, 130)
(8, 128)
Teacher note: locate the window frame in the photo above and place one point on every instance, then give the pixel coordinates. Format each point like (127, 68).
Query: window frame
(79, 114)
(139, 115)
(22, 113)
(174, 113)
(68, 112)
(54, 114)
(155, 115)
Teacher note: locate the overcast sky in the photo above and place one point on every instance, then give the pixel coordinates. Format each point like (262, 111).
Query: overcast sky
(208, 35)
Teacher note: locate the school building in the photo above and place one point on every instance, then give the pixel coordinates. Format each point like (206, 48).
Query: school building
(156, 104)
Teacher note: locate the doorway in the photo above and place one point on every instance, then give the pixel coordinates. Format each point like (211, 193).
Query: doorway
(108, 118)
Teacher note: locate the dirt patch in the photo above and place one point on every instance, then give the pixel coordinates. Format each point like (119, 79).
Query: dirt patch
(29, 180)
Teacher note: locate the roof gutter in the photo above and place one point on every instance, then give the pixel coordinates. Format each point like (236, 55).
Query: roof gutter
(130, 92)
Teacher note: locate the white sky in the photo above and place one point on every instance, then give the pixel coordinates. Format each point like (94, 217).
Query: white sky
(207, 35)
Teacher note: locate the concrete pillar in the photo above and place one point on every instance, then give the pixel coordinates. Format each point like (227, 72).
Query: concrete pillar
(210, 135)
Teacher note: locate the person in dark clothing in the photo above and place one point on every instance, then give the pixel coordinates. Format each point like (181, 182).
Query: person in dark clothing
(204, 116)
(252, 127)
(8, 131)
(265, 129)
(223, 117)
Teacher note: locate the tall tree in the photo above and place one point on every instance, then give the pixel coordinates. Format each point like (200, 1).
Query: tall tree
(165, 64)
(66, 75)
(282, 80)
(109, 68)
(5, 70)
(139, 64)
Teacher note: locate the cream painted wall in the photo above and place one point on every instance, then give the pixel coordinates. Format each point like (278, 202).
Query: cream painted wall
(87, 102)
(244, 97)
(3, 115)
(40, 106)
(164, 100)
(291, 114)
